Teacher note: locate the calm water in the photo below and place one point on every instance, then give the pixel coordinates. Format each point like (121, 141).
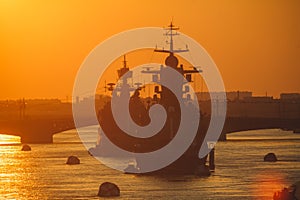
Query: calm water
(240, 172)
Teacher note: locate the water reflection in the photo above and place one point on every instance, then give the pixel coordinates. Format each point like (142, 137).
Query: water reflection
(16, 176)
(9, 139)
(267, 183)
(240, 172)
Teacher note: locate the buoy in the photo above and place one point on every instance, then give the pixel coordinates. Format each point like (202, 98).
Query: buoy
(270, 157)
(108, 189)
(26, 147)
(73, 160)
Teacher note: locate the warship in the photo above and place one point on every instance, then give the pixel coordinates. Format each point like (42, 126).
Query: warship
(189, 162)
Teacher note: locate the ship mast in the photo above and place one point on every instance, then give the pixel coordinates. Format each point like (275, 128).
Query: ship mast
(171, 28)
(171, 31)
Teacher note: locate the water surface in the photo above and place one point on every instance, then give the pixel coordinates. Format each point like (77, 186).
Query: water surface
(240, 171)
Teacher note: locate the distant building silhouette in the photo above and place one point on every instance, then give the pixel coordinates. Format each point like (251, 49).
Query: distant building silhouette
(231, 96)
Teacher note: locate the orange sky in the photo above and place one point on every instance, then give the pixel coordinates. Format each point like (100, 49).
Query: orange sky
(255, 44)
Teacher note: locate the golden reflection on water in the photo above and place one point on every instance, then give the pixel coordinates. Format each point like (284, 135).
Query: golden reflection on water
(267, 184)
(15, 175)
(9, 139)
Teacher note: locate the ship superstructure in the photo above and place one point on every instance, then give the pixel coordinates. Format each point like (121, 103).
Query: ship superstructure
(188, 163)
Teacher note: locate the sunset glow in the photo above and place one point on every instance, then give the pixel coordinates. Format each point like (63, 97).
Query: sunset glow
(255, 44)
(150, 99)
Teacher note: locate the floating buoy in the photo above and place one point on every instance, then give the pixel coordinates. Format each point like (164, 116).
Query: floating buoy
(108, 189)
(270, 157)
(73, 160)
(26, 147)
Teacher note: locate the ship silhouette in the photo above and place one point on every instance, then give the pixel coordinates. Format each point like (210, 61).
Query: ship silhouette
(189, 162)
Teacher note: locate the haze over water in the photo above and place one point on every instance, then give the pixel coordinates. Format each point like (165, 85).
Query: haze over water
(240, 171)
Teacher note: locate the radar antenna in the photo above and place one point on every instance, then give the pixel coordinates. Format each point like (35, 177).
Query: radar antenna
(171, 31)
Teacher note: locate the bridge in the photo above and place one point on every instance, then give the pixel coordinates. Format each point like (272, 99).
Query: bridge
(39, 124)
(237, 124)
(36, 130)
(42, 130)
